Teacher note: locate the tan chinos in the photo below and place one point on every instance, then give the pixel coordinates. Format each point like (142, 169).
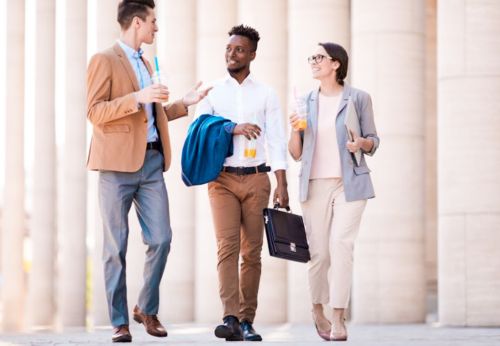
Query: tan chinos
(237, 203)
(332, 225)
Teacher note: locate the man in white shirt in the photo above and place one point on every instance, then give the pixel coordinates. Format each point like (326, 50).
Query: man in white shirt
(242, 189)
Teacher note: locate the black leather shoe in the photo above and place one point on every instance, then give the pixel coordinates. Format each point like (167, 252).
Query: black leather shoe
(230, 330)
(249, 334)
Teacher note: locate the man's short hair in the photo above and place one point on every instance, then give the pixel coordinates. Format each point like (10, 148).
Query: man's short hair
(248, 32)
(128, 9)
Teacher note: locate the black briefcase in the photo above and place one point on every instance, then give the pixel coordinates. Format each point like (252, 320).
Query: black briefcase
(286, 235)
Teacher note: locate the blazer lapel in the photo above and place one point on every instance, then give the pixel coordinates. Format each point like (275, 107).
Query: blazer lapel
(126, 65)
(345, 98)
(313, 110)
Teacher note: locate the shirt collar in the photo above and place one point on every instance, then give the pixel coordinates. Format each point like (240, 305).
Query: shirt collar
(249, 78)
(131, 53)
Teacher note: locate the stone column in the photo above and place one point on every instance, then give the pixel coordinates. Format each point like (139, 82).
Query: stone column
(72, 230)
(388, 62)
(105, 32)
(177, 57)
(431, 156)
(270, 66)
(107, 26)
(215, 19)
(43, 232)
(309, 22)
(469, 211)
(13, 228)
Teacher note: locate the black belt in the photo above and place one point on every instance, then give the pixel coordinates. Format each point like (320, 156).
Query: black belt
(153, 146)
(247, 170)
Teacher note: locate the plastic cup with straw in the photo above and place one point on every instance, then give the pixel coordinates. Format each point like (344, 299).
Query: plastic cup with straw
(301, 110)
(157, 76)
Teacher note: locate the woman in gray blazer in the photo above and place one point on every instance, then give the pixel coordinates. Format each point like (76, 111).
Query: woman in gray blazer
(333, 187)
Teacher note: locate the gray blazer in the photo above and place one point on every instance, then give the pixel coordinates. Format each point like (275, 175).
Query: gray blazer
(357, 181)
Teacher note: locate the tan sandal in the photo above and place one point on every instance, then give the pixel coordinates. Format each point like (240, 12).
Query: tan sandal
(325, 335)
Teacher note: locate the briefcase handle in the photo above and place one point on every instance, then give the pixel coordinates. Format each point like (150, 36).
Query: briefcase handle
(287, 208)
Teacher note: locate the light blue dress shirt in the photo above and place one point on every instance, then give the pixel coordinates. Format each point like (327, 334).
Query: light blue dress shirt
(144, 80)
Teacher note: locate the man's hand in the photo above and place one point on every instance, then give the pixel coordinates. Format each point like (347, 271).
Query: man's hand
(281, 192)
(153, 93)
(194, 95)
(248, 130)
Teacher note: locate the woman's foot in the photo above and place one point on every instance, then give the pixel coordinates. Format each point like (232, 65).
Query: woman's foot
(323, 326)
(339, 330)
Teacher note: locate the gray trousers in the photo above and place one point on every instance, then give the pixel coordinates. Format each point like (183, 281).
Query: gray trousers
(117, 191)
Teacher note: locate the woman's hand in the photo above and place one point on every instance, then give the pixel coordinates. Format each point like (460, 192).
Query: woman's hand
(248, 130)
(294, 121)
(359, 143)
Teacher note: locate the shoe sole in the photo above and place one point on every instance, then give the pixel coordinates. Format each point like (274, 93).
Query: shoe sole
(223, 333)
(253, 338)
(123, 338)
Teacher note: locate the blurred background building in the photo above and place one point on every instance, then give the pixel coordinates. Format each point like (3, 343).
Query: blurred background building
(429, 245)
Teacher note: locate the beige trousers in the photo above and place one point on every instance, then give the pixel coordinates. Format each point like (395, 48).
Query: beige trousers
(237, 203)
(332, 225)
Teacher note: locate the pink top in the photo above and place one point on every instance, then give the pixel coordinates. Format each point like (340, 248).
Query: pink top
(326, 157)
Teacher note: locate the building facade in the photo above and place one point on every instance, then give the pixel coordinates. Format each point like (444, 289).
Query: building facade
(428, 241)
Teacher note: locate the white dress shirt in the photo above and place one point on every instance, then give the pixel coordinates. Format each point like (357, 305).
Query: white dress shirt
(249, 102)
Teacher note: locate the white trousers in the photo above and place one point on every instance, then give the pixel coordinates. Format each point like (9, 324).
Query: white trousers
(332, 225)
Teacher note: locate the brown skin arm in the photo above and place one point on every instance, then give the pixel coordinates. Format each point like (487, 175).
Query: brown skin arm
(281, 191)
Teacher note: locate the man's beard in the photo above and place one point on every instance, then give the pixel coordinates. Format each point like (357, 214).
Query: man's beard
(236, 70)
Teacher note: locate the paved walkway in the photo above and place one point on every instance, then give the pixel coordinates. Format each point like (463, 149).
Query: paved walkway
(284, 334)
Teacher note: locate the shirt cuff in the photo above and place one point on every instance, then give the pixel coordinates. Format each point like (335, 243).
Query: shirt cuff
(229, 127)
(277, 165)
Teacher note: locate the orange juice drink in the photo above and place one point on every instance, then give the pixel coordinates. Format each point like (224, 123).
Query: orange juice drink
(250, 153)
(301, 124)
(250, 149)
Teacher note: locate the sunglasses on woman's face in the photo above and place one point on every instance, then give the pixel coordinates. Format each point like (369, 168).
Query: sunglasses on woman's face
(318, 58)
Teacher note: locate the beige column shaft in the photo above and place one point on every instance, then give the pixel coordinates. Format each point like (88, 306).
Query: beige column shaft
(431, 154)
(177, 59)
(72, 230)
(13, 213)
(107, 26)
(469, 209)
(105, 34)
(43, 232)
(270, 67)
(215, 19)
(388, 62)
(309, 22)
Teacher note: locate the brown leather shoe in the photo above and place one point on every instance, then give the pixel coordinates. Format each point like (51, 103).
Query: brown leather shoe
(121, 334)
(151, 323)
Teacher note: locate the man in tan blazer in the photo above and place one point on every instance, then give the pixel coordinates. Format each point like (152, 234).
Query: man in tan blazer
(131, 149)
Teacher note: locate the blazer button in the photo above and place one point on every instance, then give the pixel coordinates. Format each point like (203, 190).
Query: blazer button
(146, 120)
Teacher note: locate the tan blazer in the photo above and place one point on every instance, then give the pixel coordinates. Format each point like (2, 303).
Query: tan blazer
(119, 123)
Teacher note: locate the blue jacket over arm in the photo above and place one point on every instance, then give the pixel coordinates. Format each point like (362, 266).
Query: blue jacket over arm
(209, 141)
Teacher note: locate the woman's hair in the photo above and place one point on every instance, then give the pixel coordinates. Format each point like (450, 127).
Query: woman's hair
(128, 9)
(338, 53)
